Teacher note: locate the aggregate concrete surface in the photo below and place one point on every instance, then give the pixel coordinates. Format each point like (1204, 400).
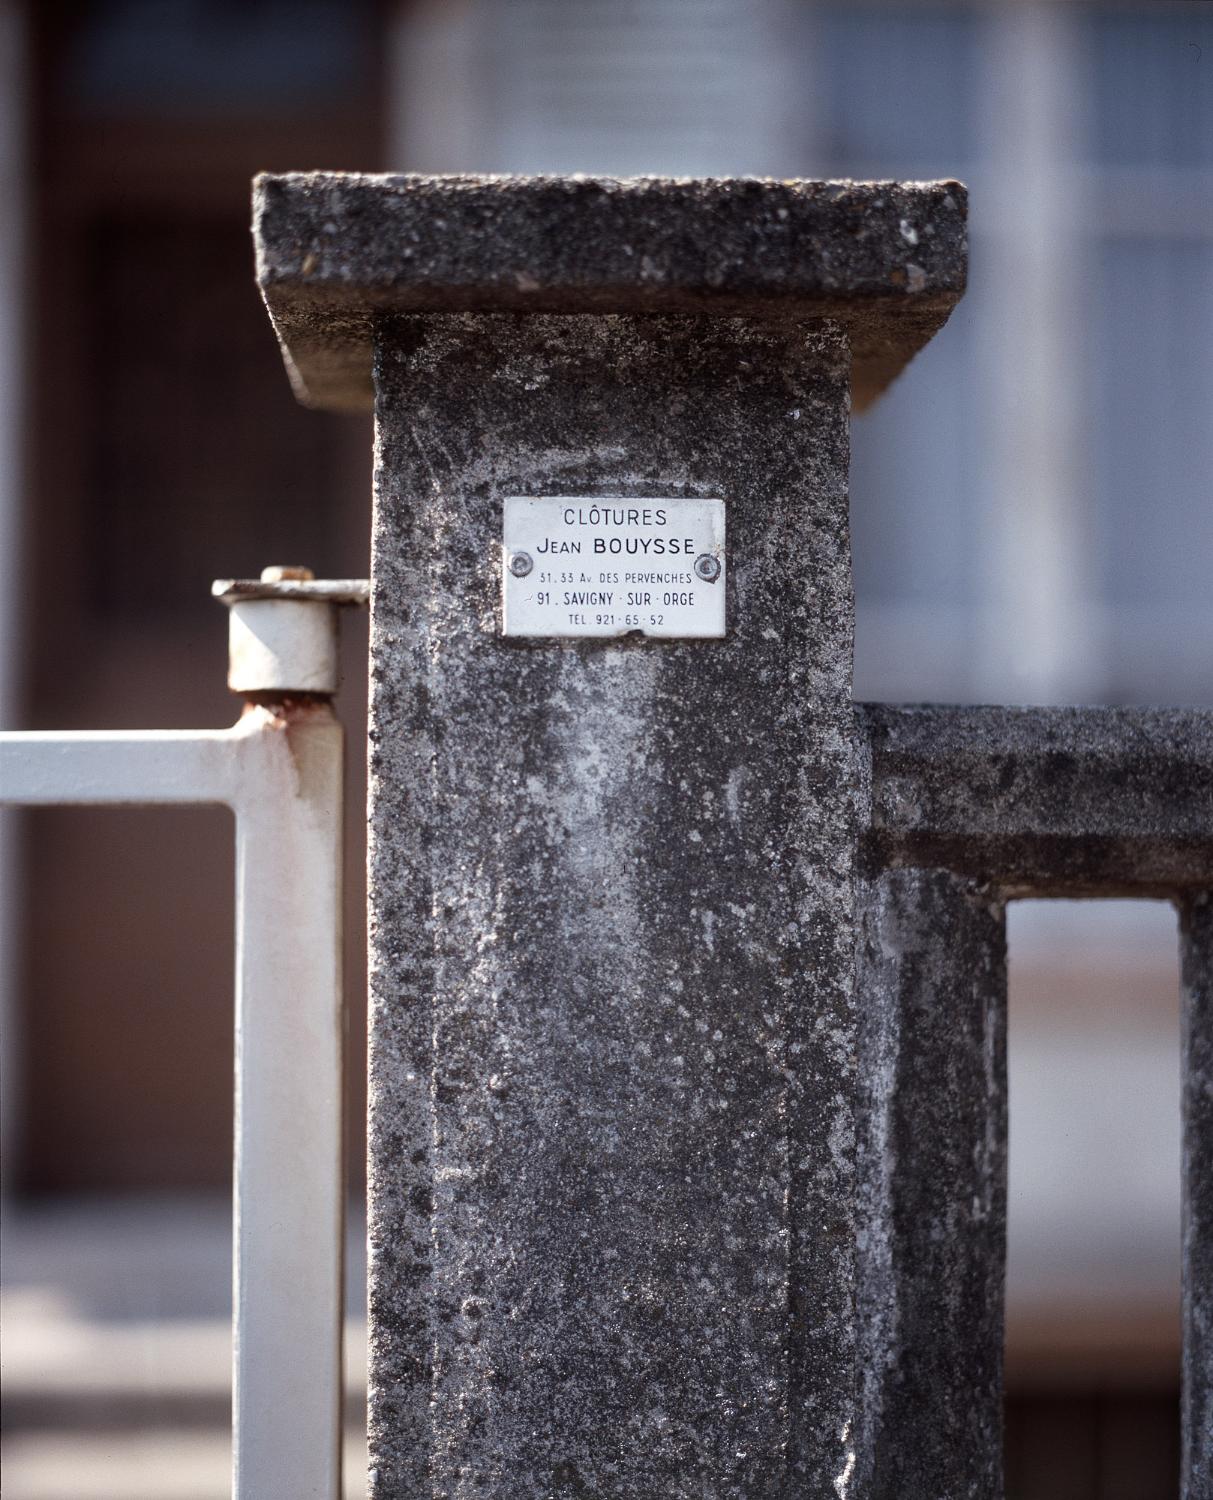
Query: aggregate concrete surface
(886, 260)
(612, 1202)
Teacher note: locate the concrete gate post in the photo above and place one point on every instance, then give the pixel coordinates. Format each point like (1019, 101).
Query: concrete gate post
(615, 1209)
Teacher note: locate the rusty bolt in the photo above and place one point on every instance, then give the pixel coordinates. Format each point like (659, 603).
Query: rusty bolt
(287, 573)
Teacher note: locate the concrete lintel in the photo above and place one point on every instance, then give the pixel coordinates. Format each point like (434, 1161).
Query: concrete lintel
(1045, 801)
(886, 260)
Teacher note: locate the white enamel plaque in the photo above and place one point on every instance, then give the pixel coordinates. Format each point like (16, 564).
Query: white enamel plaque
(601, 566)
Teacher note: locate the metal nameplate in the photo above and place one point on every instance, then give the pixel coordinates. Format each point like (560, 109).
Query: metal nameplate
(600, 566)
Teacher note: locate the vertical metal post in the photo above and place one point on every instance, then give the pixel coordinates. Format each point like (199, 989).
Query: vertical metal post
(289, 1189)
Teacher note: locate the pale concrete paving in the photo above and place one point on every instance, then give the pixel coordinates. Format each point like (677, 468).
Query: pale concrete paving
(117, 1350)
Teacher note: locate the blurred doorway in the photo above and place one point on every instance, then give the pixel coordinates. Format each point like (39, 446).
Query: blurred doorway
(165, 449)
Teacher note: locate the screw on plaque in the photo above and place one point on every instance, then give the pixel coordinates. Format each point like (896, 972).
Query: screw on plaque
(521, 564)
(707, 567)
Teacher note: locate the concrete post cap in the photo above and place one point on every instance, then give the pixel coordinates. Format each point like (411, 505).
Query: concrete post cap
(887, 260)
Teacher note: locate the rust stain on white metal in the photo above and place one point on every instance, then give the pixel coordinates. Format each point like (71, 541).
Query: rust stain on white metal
(287, 573)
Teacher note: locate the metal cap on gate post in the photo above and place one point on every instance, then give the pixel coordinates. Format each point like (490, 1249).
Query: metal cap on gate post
(282, 634)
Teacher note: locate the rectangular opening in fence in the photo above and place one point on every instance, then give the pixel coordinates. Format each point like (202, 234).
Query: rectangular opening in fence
(1093, 1252)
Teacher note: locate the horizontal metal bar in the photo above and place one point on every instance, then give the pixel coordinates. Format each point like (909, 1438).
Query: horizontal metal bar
(1081, 801)
(122, 766)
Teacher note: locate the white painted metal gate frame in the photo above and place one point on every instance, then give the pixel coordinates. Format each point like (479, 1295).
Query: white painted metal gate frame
(279, 769)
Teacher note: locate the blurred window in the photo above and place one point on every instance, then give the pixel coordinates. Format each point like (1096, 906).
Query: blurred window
(915, 530)
(1152, 102)
(600, 86)
(894, 93)
(896, 89)
(182, 56)
(1150, 376)
(177, 451)
(201, 464)
(1144, 184)
(1106, 233)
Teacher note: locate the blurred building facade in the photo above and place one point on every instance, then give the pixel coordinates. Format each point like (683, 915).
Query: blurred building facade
(1032, 513)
